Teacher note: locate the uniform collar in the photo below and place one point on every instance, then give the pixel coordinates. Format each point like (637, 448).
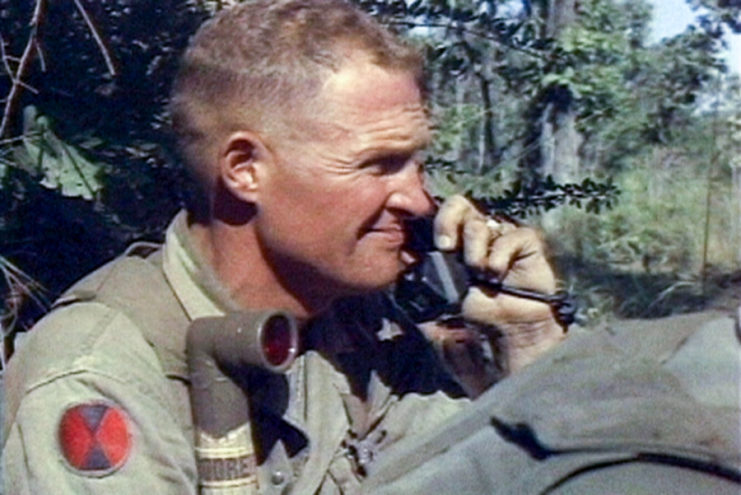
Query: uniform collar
(192, 280)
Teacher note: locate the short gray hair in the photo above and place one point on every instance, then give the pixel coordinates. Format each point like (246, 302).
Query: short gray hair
(253, 65)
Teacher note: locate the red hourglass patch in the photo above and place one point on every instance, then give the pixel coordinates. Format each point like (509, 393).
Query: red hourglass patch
(95, 437)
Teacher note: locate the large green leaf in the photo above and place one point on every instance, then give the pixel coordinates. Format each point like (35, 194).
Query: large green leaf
(59, 165)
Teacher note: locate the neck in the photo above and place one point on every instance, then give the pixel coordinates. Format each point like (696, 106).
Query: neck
(234, 255)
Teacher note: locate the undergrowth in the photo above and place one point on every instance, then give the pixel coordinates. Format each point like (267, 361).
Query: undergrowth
(650, 255)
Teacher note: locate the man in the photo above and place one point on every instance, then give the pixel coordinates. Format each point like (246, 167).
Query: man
(302, 123)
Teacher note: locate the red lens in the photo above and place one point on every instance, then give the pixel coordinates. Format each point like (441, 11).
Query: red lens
(277, 344)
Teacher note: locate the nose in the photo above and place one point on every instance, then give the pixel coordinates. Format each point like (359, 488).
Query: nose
(409, 195)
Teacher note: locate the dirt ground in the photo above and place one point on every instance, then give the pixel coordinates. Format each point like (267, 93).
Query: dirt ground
(729, 292)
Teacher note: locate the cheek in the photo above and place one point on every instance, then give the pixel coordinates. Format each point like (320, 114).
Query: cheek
(318, 216)
(304, 222)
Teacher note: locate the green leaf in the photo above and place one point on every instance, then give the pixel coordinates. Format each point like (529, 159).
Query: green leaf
(60, 165)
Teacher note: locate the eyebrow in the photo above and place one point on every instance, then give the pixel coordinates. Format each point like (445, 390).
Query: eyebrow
(386, 151)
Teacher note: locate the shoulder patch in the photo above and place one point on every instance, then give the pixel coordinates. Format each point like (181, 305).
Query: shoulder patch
(95, 437)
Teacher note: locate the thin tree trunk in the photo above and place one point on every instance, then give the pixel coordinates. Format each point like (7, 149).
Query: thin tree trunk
(736, 191)
(489, 154)
(561, 14)
(554, 140)
(735, 126)
(461, 142)
(560, 140)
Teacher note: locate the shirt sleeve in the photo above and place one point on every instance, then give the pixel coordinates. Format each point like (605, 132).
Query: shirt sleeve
(101, 421)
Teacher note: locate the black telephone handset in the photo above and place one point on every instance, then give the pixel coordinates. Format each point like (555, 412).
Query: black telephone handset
(437, 283)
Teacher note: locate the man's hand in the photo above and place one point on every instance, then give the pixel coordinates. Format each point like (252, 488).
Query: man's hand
(515, 256)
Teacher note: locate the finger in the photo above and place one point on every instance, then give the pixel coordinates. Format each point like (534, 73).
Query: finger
(513, 247)
(506, 219)
(500, 225)
(497, 229)
(476, 240)
(450, 219)
(484, 307)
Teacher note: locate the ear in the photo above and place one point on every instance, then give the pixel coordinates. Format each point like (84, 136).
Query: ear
(241, 164)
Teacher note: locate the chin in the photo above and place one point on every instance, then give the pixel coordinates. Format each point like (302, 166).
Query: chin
(378, 277)
(363, 276)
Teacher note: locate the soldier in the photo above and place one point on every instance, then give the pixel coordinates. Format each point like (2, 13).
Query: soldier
(302, 123)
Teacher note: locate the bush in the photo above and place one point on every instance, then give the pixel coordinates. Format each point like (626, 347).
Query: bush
(648, 255)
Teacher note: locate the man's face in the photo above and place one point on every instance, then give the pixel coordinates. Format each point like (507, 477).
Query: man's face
(331, 210)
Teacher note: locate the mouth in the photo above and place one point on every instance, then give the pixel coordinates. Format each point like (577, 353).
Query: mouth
(384, 226)
(395, 237)
(392, 234)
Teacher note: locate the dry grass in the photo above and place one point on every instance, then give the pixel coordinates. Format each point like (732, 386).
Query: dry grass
(665, 248)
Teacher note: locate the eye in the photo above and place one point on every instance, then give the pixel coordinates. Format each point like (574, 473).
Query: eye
(383, 165)
(392, 163)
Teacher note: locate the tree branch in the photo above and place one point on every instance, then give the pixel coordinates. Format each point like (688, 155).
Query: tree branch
(475, 32)
(40, 52)
(23, 65)
(6, 66)
(97, 38)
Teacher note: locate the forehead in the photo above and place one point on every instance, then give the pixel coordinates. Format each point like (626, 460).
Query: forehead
(363, 101)
(361, 81)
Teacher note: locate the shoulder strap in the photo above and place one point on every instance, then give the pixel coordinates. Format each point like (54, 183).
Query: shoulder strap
(135, 284)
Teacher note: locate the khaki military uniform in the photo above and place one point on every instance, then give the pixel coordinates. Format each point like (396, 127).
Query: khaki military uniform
(644, 407)
(110, 359)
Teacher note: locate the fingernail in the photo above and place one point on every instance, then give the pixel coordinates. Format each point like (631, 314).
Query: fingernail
(444, 242)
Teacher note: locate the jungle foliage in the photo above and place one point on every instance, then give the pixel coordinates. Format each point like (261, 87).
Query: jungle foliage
(537, 103)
